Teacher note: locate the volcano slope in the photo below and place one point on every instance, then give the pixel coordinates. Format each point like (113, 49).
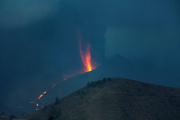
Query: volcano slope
(117, 67)
(115, 99)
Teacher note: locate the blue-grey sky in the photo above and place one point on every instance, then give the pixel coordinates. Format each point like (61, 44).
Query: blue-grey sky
(38, 38)
(20, 13)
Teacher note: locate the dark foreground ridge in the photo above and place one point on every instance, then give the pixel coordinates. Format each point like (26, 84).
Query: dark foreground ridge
(114, 99)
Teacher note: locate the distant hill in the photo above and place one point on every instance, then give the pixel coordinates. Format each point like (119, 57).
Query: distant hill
(117, 66)
(115, 99)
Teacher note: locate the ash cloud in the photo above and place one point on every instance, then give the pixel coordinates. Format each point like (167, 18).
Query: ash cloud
(38, 39)
(39, 45)
(15, 14)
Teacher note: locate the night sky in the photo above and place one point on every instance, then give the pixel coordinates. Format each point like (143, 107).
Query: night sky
(38, 39)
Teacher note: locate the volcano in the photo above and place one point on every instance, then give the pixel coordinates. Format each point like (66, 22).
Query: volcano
(115, 99)
(118, 66)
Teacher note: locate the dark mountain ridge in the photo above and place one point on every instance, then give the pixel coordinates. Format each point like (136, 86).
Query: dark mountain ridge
(118, 66)
(115, 98)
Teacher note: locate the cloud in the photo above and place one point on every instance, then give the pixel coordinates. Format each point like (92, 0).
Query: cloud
(17, 13)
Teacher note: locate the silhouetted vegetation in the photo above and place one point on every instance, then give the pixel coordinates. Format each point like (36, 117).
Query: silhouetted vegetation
(104, 80)
(109, 79)
(82, 92)
(85, 93)
(96, 83)
(88, 85)
(12, 117)
(2, 113)
(54, 111)
(45, 107)
(51, 117)
(56, 101)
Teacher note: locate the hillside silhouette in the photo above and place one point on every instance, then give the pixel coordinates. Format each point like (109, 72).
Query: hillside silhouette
(114, 98)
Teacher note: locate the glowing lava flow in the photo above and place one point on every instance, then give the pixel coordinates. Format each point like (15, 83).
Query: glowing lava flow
(42, 94)
(86, 59)
(86, 56)
(87, 62)
(55, 84)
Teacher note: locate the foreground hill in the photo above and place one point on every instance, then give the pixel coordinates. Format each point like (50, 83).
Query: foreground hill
(117, 66)
(115, 99)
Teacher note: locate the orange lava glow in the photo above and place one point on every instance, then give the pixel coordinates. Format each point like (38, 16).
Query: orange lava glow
(54, 85)
(85, 56)
(42, 95)
(37, 104)
(86, 60)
